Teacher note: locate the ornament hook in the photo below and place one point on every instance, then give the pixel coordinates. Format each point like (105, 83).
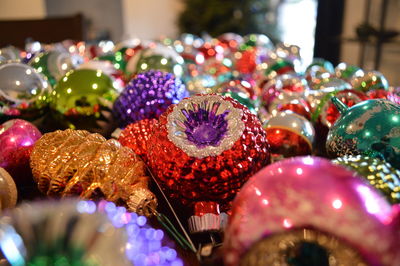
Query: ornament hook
(339, 105)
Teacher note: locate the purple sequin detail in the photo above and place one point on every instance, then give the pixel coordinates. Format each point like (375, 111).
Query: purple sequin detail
(204, 127)
(148, 96)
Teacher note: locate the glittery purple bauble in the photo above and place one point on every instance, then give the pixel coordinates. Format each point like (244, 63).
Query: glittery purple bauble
(148, 96)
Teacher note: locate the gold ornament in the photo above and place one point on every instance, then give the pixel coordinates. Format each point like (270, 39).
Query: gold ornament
(302, 247)
(8, 191)
(77, 162)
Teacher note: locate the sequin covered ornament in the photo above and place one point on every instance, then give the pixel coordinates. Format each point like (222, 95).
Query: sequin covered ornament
(205, 148)
(148, 96)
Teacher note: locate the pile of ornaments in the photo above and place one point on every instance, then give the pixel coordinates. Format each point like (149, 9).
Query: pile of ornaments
(290, 164)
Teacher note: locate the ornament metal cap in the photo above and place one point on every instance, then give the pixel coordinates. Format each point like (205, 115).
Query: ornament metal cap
(339, 104)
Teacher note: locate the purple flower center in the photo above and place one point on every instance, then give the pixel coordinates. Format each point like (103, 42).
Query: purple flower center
(205, 127)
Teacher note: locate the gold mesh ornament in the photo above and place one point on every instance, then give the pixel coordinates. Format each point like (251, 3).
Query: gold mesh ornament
(77, 162)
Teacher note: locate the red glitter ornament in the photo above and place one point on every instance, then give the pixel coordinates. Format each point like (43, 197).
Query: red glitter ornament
(246, 64)
(205, 148)
(137, 135)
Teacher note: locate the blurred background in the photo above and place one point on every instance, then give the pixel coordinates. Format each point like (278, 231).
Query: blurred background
(360, 32)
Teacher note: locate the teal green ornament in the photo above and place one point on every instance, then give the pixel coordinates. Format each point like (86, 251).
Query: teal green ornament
(372, 80)
(83, 99)
(52, 64)
(347, 72)
(369, 127)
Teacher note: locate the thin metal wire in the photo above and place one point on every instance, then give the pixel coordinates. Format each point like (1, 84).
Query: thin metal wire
(193, 248)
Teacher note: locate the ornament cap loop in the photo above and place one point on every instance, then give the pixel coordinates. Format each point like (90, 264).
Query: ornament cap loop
(339, 104)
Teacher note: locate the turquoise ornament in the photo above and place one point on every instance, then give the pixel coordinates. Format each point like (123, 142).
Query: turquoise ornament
(369, 127)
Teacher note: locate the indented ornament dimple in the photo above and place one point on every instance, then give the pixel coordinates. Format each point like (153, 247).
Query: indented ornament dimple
(204, 125)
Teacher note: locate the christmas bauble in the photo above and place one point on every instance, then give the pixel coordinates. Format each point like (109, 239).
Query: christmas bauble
(377, 172)
(308, 211)
(246, 62)
(106, 67)
(205, 148)
(8, 191)
(328, 83)
(347, 72)
(289, 135)
(17, 138)
(257, 40)
(277, 66)
(83, 99)
(326, 112)
(148, 96)
(77, 163)
(372, 80)
(137, 135)
(23, 92)
(230, 41)
(200, 84)
(370, 126)
(10, 53)
(242, 91)
(123, 52)
(53, 65)
(284, 83)
(157, 57)
(318, 67)
(72, 232)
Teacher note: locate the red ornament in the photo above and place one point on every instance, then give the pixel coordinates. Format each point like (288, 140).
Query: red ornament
(246, 64)
(205, 148)
(289, 135)
(137, 135)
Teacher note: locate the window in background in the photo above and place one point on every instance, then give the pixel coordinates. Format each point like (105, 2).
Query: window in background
(296, 24)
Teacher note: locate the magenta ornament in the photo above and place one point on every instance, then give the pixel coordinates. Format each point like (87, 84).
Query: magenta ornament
(17, 138)
(289, 198)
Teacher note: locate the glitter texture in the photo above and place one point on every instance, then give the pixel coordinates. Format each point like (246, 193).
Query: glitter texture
(136, 136)
(204, 126)
(148, 96)
(208, 177)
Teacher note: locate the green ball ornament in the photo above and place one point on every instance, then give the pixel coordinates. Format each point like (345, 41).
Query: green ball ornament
(256, 40)
(369, 127)
(83, 99)
(347, 72)
(379, 173)
(52, 64)
(157, 57)
(372, 80)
